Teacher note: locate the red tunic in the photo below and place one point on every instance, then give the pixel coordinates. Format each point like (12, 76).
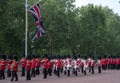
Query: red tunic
(3, 65)
(23, 62)
(38, 62)
(28, 65)
(82, 64)
(50, 64)
(117, 61)
(15, 66)
(9, 64)
(59, 63)
(92, 63)
(103, 61)
(45, 63)
(33, 63)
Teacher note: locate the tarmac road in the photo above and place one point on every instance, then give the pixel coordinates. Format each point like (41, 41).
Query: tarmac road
(108, 76)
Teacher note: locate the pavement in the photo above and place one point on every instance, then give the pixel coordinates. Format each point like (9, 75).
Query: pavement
(108, 76)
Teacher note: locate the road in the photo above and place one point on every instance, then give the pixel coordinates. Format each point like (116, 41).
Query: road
(108, 76)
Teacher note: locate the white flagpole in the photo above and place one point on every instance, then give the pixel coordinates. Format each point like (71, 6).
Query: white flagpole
(26, 26)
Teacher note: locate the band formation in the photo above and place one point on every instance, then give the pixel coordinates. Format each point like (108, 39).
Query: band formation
(67, 65)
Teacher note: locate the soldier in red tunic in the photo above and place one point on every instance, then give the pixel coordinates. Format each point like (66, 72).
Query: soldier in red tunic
(9, 62)
(38, 62)
(92, 64)
(3, 65)
(50, 65)
(103, 60)
(23, 64)
(28, 68)
(14, 69)
(58, 65)
(33, 65)
(45, 66)
(117, 62)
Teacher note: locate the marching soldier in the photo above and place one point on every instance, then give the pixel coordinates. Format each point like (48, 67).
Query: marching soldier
(85, 65)
(117, 62)
(89, 63)
(109, 62)
(23, 64)
(50, 65)
(103, 63)
(92, 64)
(69, 65)
(28, 68)
(58, 65)
(33, 65)
(3, 65)
(82, 65)
(75, 65)
(9, 62)
(45, 66)
(64, 65)
(38, 62)
(14, 69)
(99, 63)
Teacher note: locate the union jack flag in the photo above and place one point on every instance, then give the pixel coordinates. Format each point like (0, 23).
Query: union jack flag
(35, 11)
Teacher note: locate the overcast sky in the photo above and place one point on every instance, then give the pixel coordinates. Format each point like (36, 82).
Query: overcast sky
(112, 4)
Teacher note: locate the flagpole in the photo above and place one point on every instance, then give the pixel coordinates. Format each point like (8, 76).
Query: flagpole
(26, 26)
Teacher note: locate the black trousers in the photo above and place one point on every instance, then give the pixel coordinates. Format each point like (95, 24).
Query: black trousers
(99, 69)
(117, 66)
(37, 71)
(9, 72)
(89, 69)
(109, 66)
(2, 74)
(23, 71)
(82, 70)
(92, 70)
(33, 72)
(14, 75)
(103, 67)
(28, 77)
(68, 72)
(75, 71)
(45, 72)
(58, 72)
(50, 71)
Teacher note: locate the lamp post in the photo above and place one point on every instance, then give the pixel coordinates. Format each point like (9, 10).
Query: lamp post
(26, 26)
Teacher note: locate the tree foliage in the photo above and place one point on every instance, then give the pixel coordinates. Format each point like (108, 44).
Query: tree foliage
(90, 29)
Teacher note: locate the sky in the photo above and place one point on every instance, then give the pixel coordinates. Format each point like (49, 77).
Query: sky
(112, 4)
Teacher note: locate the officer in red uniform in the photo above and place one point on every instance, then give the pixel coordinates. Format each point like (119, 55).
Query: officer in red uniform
(45, 65)
(50, 65)
(58, 65)
(33, 65)
(9, 62)
(14, 69)
(38, 62)
(3, 65)
(28, 67)
(23, 64)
